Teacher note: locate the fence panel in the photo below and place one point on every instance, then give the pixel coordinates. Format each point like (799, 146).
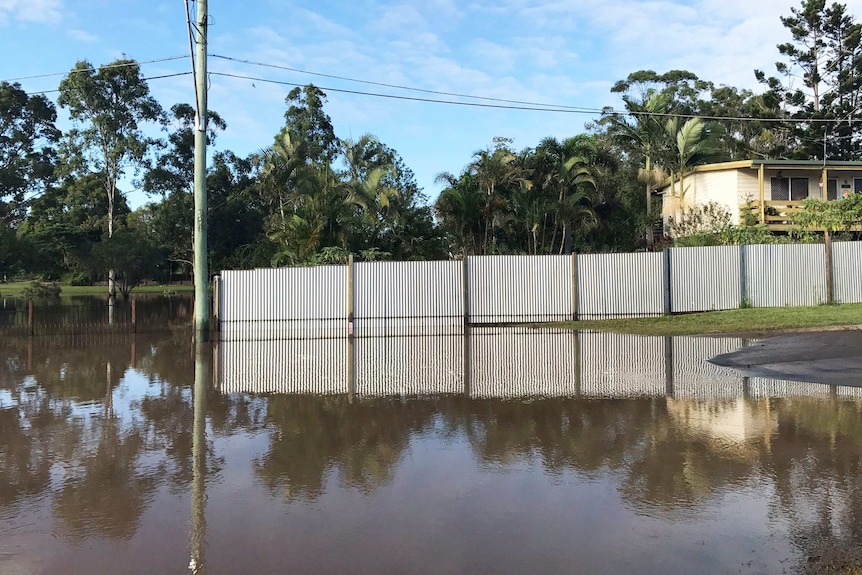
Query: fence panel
(391, 295)
(705, 278)
(786, 275)
(847, 271)
(520, 288)
(620, 285)
(285, 295)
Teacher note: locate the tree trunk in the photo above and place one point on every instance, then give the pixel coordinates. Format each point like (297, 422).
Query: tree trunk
(112, 188)
(649, 231)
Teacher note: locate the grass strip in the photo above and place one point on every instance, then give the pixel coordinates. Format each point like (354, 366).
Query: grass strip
(14, 289)
(736, 321)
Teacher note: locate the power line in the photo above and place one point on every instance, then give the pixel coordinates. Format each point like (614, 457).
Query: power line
(144, 79)
(413, 98)
(400, 87)
(107, 66)
(535, 107)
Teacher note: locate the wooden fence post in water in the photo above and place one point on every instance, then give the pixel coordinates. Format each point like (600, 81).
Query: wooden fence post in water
(350, 298)
(575, 287)
(830, 286)
(465, 290)
(666, 282)
(30, 317)
(134, 315)
(216, 307)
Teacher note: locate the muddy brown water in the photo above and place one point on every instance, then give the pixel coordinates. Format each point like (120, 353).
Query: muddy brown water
(503, 451)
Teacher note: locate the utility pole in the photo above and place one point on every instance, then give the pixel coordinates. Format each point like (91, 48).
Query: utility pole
(202, 318)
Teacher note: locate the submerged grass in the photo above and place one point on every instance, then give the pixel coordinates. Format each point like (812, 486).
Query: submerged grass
(14, 289)
(741, 321)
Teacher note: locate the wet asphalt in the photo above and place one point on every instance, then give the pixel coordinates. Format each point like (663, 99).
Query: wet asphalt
(831, 357)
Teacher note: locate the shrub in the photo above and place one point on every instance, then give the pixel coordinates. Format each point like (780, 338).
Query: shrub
(38, 291)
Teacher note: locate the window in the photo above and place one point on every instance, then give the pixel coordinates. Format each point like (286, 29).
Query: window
(857, 185)
(783, 189)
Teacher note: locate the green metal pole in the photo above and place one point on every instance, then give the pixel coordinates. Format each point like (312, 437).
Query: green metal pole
(200, 226)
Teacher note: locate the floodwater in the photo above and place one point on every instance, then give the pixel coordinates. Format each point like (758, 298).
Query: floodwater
(498, 451)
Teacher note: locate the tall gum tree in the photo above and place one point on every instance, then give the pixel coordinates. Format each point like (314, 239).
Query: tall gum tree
(107, 106)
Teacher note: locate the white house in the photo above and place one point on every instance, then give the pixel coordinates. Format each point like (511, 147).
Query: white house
(768, 189)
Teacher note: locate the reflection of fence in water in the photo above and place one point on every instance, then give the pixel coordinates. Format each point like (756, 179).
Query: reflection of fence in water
(316, 366)
(498, 362)
(91, 315)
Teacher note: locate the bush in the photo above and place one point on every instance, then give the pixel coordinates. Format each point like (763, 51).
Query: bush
(38, 291)
(77, 279)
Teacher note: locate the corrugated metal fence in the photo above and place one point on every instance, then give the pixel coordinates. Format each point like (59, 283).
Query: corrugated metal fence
(380, 298)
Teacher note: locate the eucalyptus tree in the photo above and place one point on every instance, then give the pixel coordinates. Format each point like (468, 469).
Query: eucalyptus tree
(172, 178)
(107, 106)
(27, 150)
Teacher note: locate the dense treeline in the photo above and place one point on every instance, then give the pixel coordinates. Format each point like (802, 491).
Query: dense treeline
(313, 197)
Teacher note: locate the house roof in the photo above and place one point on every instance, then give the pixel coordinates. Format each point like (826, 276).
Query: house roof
(778, 164)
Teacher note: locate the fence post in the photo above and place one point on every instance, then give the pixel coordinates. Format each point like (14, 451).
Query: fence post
(666, 281)
(830, 286)
(575, 301)
(350, 297)
(743, 276)
(134, 315)
(30, 317)
(465, 290)
(216, 307)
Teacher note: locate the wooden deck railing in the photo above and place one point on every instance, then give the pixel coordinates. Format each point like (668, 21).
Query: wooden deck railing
(777, 213)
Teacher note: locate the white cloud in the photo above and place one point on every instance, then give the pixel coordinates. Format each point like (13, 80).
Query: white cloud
(82, 36)
(30, 10)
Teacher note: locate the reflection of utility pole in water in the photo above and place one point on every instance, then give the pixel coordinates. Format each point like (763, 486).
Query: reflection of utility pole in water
(203, 362)
(134, 351)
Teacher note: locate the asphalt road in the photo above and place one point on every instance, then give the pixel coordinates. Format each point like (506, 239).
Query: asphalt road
(832, 357)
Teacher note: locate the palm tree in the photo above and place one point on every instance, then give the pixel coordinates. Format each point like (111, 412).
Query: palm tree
(691, 143)
(563, 172)
(459, 208)
(643, 130)
(496, 170)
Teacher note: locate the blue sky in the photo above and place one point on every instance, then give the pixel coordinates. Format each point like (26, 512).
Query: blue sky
(565, 52)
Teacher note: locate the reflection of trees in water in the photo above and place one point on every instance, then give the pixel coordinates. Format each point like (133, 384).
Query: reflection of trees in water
(30, 433)
(817, 466)
(311, 436)
(669, 454)
(106, 489)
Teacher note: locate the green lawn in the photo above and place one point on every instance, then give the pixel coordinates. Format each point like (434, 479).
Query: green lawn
(732, 321)
(15, 288)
